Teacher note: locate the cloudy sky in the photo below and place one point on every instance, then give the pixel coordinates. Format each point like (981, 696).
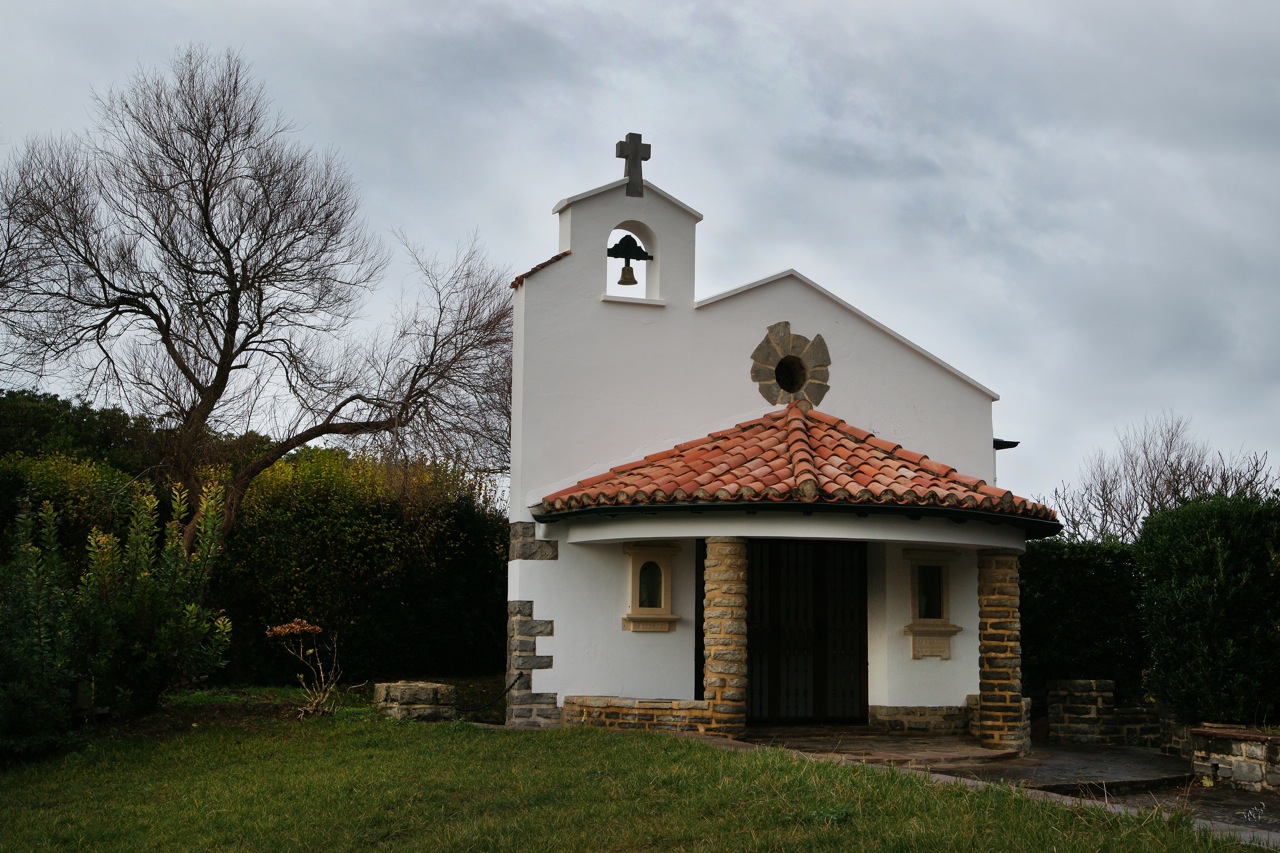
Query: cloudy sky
(1077, 204)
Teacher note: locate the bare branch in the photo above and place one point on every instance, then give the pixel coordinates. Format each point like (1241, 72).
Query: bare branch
(187, 258)
(1157, 465)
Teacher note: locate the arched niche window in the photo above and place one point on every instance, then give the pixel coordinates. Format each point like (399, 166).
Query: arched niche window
(651, 586)
(930, 627)
(651, 575)
(643, 271)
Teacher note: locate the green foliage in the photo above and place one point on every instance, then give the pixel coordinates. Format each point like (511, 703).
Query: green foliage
(1080, 616)
(37, 642)
(139, 605)
(127, 627)
(1211, 607)
(406, 566)
(44, 424)
(87, 495)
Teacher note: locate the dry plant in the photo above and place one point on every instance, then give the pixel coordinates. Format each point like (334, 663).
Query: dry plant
(320, 683)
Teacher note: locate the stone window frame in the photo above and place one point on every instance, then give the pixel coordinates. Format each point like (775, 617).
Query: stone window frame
(930, 637)
(650, 619)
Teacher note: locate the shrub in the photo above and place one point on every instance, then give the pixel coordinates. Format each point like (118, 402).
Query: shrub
(37, 643)
(1211, 608)
(1081, 616)
(132, 624)
(40, 424)
(86, 494)
(407, 566)
(139, 605)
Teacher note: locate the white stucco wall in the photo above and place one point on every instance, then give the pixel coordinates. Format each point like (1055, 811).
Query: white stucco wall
(893, 678)
(601, 381)
(586, 593)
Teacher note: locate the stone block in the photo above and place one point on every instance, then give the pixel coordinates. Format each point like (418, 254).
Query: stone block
(425, 713)
(534, 549)
(414, 693)
(538, 628)
(1246, 771)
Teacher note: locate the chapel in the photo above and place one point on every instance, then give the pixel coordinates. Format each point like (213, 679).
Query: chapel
(759, 507)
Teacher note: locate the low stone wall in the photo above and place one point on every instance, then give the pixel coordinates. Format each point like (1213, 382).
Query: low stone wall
(1084, 711)
(1139, 726)
(416, 700)
(925, 719)
(1246, 760)
(662, 715)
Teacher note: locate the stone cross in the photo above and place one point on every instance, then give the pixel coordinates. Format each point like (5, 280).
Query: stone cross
(634, 152)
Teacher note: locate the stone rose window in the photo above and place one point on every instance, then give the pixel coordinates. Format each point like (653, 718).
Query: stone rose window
(790, 368)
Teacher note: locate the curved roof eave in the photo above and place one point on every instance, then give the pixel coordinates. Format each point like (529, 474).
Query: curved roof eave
(1034, 528)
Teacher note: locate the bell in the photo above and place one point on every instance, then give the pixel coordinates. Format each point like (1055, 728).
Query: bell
(628, 275)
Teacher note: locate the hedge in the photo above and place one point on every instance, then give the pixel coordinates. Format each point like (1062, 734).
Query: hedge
(1211, 608)
(407, 567)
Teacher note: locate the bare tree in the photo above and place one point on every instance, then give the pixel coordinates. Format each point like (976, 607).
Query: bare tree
(1157, 465)
(189, 259)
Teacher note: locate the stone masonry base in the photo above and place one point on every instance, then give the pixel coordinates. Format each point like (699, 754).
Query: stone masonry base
(524, 707)
(1246, 760)
(924, 719)
(664, 715)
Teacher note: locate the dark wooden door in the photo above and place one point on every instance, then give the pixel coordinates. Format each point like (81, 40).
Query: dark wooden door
(806, 631)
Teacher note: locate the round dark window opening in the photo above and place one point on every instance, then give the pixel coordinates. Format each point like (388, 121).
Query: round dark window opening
(790, 374)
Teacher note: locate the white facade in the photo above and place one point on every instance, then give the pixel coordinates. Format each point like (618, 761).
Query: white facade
(601, 381)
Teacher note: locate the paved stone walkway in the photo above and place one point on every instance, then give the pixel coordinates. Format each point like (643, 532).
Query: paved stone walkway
(851, 743)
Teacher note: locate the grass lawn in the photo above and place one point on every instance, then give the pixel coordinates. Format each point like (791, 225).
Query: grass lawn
(232, 770)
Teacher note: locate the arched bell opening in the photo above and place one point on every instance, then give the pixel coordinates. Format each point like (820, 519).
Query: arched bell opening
(632, 262)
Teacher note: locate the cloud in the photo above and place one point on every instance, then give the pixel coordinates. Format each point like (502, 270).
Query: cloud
(1075, 204)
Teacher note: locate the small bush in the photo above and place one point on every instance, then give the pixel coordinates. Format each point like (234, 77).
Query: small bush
(1081, 616)
(1211, 608)
(37, 642)
(130, 625)
(139, 605)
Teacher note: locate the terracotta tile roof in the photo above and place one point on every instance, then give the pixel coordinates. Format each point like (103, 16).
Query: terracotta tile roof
(519, 280)
(796, 457)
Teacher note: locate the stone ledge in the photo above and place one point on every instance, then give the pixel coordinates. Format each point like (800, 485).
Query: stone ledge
(664, 715)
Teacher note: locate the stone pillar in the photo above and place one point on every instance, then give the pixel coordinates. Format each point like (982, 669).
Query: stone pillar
(1003, 715)
(724, 632)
